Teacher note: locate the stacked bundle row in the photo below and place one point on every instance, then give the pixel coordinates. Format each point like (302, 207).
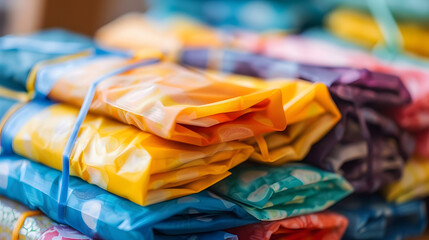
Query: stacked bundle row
(170, 151)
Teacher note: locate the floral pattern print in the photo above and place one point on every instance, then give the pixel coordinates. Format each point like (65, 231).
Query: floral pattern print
(413, 117)
(412, 72)
(309, 111)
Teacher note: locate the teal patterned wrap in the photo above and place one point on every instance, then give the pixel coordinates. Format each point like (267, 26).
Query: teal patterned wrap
(277, 192)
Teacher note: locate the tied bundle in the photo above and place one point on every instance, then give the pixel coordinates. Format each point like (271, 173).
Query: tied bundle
(112, 155)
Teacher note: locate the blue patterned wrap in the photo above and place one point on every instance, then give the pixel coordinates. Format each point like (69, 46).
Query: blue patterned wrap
(99, 214)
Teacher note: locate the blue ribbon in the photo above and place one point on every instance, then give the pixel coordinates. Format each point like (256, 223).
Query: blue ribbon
(72, 138)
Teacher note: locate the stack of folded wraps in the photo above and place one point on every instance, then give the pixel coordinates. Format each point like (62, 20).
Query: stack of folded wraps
(411, 117)
(157, 135)
(415, 75)
(371, 143)
(178, 146)
(366, 146)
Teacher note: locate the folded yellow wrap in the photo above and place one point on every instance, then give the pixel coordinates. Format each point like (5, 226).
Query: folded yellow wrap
(120, 158)
(173, 102)
(310, 113)
(361, 28)
(414, 183)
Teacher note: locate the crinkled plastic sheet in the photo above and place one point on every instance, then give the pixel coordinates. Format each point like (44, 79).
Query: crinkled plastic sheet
(165, 99)
(113, 155)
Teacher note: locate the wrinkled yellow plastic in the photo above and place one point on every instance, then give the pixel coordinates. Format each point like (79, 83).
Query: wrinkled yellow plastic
(176, 103)
(310, 113)
(414, 183)
(362, 29)
(136, 165)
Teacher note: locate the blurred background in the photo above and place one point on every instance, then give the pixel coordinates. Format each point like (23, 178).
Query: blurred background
(81, 16)
(394, 23)
(21, 16)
